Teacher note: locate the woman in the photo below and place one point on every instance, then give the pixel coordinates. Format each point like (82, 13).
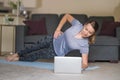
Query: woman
(78, 36)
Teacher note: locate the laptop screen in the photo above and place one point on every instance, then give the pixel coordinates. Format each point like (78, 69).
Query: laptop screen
(67, 64)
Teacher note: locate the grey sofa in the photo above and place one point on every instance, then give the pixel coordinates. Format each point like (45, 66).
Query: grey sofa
(118, 36)
(105, 47)
(25, 41)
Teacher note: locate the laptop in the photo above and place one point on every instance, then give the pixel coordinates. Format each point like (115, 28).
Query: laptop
(67, 65)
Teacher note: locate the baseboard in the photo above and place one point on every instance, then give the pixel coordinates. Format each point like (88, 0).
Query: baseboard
(4, 53)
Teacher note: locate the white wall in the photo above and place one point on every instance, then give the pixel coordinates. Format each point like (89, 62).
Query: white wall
(89, 7)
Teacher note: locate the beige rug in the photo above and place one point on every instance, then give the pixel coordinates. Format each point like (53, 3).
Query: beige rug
(107, 71)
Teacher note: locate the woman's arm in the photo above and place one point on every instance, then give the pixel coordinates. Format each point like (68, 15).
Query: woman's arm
(84, 61)
(66, 17)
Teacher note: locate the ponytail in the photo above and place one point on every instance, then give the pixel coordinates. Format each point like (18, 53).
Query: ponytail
(92, 39)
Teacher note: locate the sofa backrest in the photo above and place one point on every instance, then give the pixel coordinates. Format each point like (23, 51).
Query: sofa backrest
(81, 17)
(100, 20)
(51, 21)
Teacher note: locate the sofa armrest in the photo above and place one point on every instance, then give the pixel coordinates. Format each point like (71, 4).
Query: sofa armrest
(20, 34)
(118, 32)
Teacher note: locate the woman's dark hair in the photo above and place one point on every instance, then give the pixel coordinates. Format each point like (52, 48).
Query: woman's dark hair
(95, 27)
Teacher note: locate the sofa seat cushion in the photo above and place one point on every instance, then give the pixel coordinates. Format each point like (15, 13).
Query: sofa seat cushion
(30, 41)
(106, 41)
(34, 39)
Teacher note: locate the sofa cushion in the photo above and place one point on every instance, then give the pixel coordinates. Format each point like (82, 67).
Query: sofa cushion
(109, 28)
(81, 17)
(100, 20)
(106, 41)
(51, 21)
(36, 27)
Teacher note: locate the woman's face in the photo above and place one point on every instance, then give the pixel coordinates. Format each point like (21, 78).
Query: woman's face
(87, 31)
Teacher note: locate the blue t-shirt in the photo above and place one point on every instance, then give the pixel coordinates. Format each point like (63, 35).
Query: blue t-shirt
(67, 41)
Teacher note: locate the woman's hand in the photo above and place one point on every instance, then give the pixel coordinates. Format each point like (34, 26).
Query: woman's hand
(57, 33)
(84, 60)
(84, 66)
(66, 17)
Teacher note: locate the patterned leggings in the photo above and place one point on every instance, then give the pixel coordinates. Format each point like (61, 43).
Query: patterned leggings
(41, 50)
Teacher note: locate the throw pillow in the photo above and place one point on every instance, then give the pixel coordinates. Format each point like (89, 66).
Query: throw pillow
(36, 27)
(108, 28)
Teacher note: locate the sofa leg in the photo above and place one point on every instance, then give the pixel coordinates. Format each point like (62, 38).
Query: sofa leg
(111, 61)
(114, 61)
(92, 61)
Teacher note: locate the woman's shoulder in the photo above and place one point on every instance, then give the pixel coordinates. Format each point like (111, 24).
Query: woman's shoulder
(85, 42)
(76, 22)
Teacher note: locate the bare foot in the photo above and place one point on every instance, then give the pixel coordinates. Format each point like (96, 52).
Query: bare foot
(15, 59)
(11, 57)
